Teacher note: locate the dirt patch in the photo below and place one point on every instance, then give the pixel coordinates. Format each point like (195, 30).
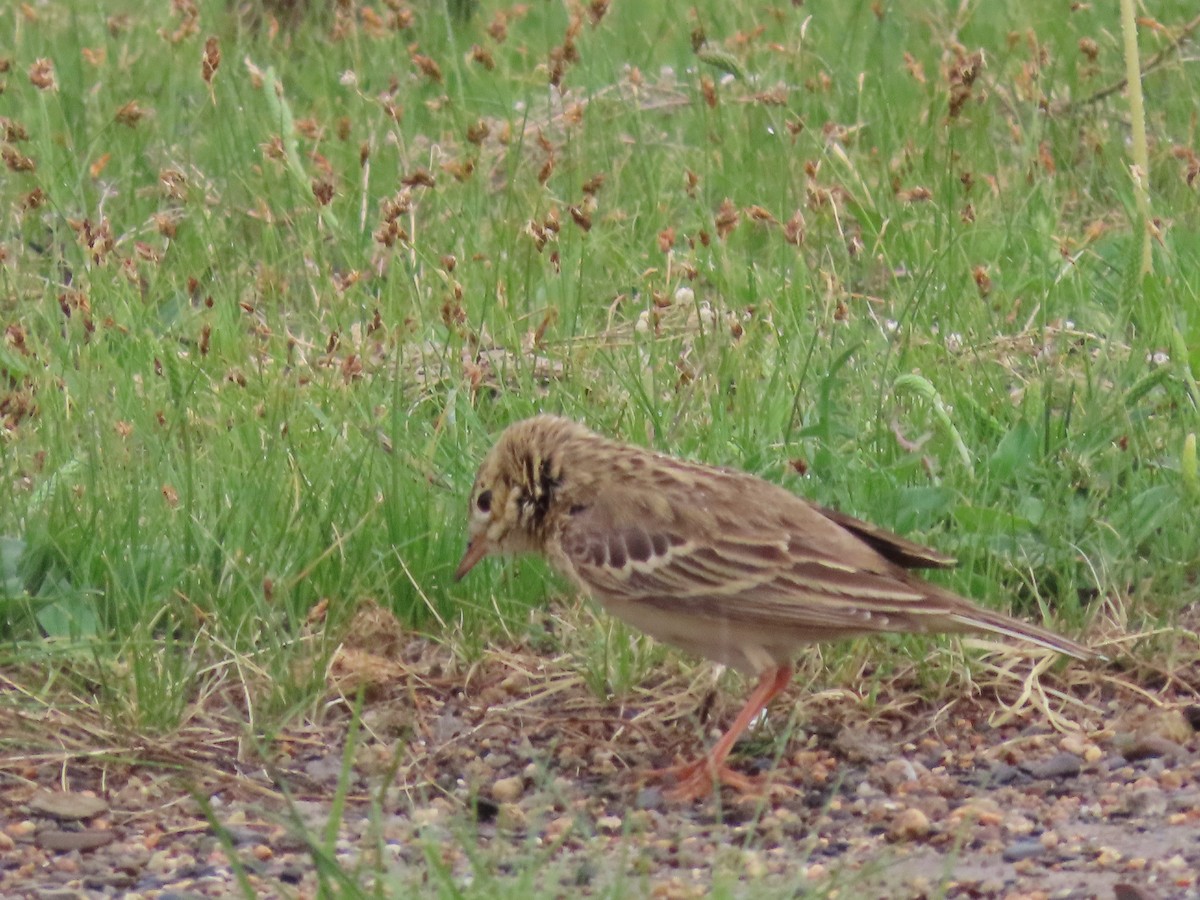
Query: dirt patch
(511, 774)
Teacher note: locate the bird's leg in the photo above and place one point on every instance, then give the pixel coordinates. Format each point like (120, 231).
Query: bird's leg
(695, 780)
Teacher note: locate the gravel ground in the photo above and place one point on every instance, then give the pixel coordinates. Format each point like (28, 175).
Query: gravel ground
(511, 776)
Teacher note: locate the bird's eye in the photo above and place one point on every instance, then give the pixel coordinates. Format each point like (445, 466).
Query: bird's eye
(484, 501)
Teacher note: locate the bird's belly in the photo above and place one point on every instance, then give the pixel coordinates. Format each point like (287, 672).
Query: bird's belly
(748, 650)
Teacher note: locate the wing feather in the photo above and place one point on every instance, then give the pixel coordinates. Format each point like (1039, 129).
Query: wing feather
(799, 574)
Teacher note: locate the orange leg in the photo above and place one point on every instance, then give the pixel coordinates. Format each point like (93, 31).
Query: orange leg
(695, 780)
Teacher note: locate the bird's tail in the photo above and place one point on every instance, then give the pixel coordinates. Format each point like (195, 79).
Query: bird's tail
(977, 619)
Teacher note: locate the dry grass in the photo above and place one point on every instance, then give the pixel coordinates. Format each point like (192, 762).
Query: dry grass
(440, 709)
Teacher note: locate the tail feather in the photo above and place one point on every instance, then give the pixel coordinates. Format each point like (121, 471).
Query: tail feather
(977, 619)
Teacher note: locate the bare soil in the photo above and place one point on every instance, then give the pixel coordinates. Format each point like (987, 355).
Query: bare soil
(511, 776)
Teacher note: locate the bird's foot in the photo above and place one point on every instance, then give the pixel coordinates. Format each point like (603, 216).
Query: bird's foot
(697, 780)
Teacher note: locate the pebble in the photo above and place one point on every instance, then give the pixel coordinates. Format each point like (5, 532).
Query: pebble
(1074, 743)
(1021, 838)
(896, 772)
(909, 825)
(1145, 802)
(1061, 765)
(1184, 801)
(558, 828)
(508, 790)
(68, 805)
(609, 824)
(1025, 848)
(755, 865)
(1123, 891)
(1019, 824)
(1150, 746)
(20, 830)
(859, 745)
(62, 841)
(999, 775)
(867, 791)
(511, 817)
(979, 810)
(426, 815)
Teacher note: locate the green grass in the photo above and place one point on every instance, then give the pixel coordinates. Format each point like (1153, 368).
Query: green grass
(225, 400)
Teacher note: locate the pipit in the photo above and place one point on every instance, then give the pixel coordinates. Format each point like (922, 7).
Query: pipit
(718, 562)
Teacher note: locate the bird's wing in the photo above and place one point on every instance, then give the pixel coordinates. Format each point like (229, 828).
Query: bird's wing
(771, 562)
(902, 552)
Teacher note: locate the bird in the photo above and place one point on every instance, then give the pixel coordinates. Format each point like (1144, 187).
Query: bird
(718, 562)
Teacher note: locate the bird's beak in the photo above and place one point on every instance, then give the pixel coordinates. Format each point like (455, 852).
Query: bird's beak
(476, 550)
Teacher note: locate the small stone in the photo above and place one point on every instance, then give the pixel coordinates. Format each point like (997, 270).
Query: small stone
(920, 885)
(559, 828)
(1061, 765)
(896, 772)
(1184, 801)
(159, 862)
(982, 811)
(22, 830)
(756, 866)
(866, 790)
(999, 775)
(1018, 824)
(498, 761)
(68, 805)
(63, 841)
(909, 825)
(1074, 743)
(426, 815)
(1025, 848)
(609, 824)
(508, 790)
(603, 761)
(241, 835)
(1146, 802)
(858, 745)
(1171, 780)
(511, 817)
(1122, 891)
(1151, 746)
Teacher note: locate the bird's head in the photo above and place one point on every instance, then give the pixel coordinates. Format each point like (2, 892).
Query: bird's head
(517, 489)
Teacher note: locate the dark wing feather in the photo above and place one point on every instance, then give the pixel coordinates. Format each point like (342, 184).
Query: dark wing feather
(891, 546)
